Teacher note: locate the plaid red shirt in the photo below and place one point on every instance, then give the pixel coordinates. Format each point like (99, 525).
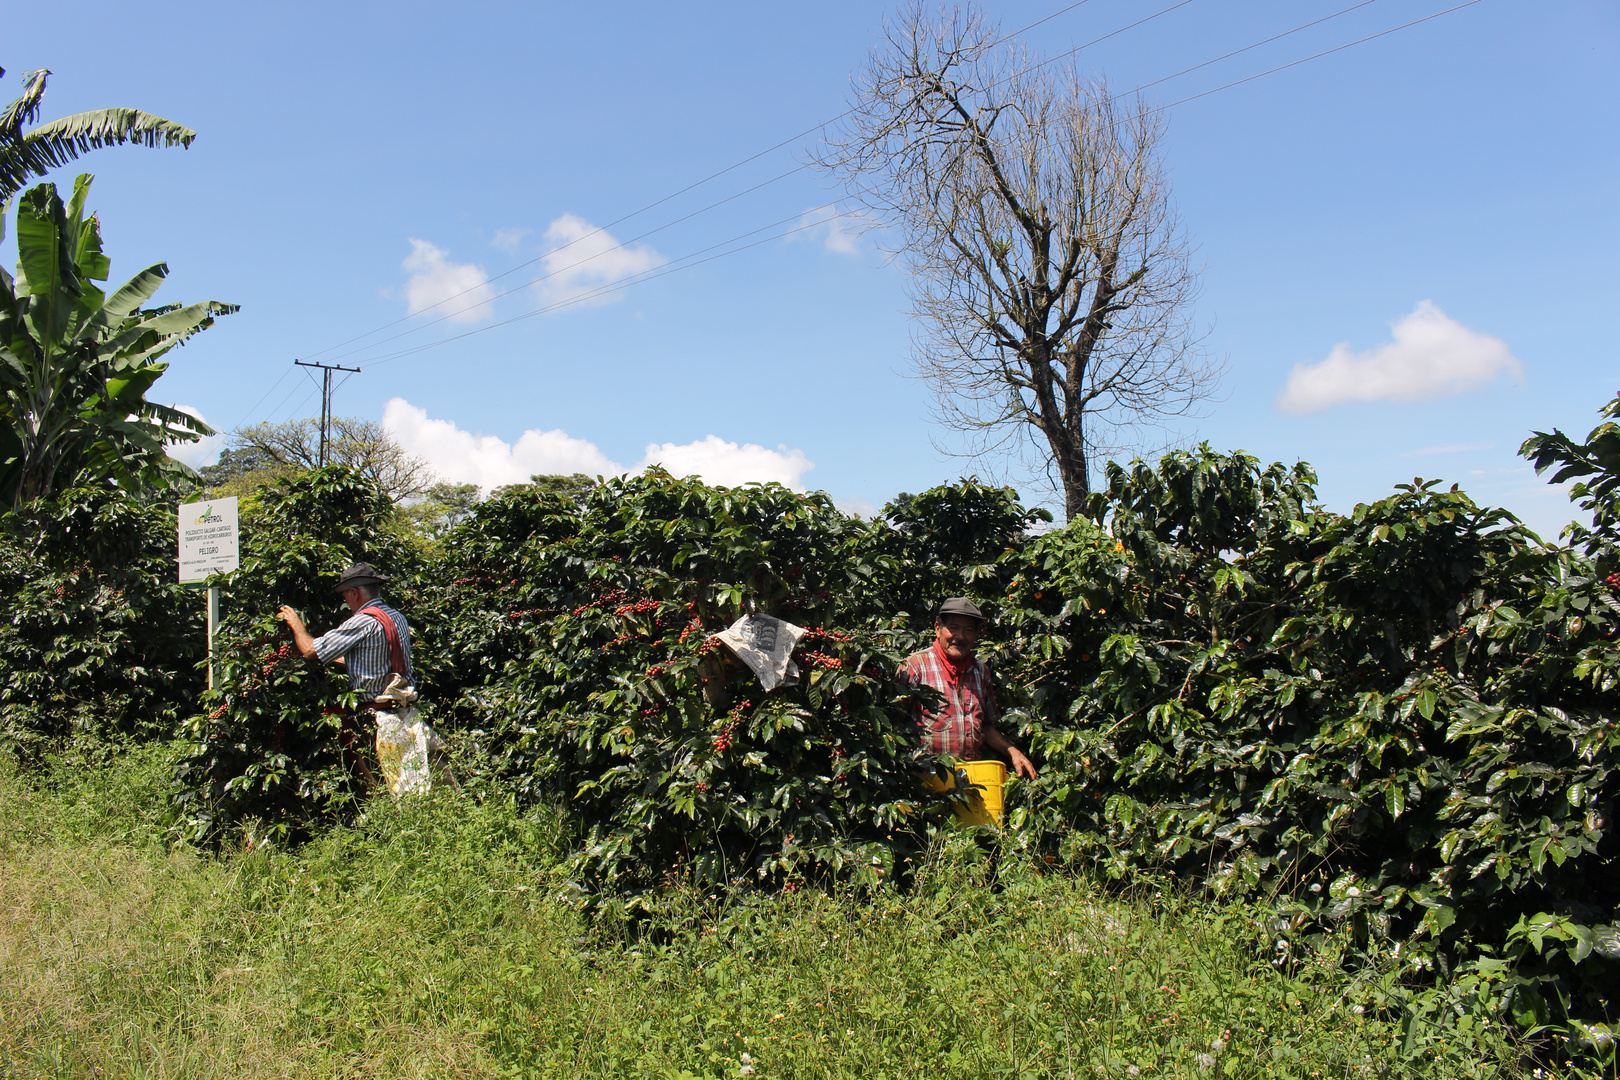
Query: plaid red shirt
(957, 728)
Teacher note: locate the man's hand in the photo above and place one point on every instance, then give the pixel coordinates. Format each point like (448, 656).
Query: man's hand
(1000, 744)
(301, 638)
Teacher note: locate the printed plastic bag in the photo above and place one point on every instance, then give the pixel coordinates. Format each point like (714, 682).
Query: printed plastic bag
(403, 740)
(765, 643)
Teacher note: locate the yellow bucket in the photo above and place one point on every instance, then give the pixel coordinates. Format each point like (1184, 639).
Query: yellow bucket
(983, 807)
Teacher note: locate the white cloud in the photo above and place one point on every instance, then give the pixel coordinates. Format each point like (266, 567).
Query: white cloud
(727, 464)
(584, 259)
(459, 290)
(464, 458)
(1432, 356)
(204, 451)
(858, 507)
(509, 239)
(838, 231)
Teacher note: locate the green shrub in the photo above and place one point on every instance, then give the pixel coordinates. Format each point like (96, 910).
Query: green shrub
(265, 751)
(670, 758)
(1398, 725)
(100, 642)
(1395, 730)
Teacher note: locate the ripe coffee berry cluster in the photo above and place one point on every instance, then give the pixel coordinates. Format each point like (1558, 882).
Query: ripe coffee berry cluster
(272, 659)
(612, 596)
(722, 742)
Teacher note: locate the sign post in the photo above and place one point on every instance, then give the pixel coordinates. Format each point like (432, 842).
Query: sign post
(208, 546)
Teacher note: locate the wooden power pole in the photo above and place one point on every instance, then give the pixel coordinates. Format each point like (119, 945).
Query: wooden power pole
(326, 399)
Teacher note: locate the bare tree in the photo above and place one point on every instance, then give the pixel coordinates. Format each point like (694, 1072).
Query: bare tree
(362, 445)
(1050, 273)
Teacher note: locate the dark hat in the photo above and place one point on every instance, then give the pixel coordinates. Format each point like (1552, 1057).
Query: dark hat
(361, 573)
(961, 605)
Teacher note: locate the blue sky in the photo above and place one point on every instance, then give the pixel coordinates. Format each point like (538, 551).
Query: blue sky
(354, 159)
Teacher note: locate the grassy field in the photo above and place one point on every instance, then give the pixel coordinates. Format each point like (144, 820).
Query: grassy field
(435, 939)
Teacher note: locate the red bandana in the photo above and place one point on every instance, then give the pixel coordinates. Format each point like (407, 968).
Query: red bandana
(953, 670)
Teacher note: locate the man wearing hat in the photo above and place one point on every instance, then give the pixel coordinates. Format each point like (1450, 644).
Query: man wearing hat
(371, 649)
(965, 724)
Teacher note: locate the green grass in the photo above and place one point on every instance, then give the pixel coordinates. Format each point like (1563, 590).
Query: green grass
(435, 939)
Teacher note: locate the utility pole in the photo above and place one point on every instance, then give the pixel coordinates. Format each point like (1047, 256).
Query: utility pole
(326, 398)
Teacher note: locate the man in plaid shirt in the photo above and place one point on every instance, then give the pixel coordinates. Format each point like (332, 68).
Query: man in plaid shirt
(964, 725)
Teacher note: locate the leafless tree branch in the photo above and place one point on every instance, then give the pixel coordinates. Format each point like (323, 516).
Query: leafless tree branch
(1050, 274)
(362, 445)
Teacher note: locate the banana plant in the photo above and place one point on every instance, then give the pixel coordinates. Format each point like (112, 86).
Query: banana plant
(76, 364)
(32, 153)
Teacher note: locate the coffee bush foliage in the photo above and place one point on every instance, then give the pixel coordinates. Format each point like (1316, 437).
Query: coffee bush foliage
(268, 751)
(579, 655)
(1396, 726)
(99, 641)
(1392, 730)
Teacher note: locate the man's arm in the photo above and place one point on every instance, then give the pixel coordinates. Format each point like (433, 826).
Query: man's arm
(301, 638)
(997, 742)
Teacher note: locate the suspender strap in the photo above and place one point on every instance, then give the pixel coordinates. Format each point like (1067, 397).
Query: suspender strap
(396, 653)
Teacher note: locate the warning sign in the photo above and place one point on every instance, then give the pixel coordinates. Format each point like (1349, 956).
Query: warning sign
(207, 539)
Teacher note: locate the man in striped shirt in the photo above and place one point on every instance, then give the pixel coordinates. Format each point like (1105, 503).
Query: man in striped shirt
(965, 724)
(361, 643)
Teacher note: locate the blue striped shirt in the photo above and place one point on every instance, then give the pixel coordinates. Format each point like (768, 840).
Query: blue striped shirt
(364, 647)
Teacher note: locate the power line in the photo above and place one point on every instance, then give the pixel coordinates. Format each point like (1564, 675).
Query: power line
(286, 399)
(685, 262)
(653, 205)
(299, 408)
(731, 168)
(1256, 45)
(1316, 56)
(549, 273)
(695, 213)
(263, 396)
(673, 268)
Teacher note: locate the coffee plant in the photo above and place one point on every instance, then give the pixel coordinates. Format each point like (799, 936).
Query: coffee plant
(612, 696)
(99, 642)
(1393, 730)
(1397, 727)
(270, 750)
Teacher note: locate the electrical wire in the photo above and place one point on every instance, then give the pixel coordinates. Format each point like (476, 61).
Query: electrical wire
(1315, 56)
(722, 172)
(263, 396)
(689, 260)
(1247, 48)
(672, 268)
(506, 273)
(284, 400)
(626, 243)
(550, 273)
(685, 262)
(300, 406)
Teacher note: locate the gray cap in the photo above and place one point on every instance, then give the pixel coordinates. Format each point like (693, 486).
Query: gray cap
(961, 605)
(361, 573)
